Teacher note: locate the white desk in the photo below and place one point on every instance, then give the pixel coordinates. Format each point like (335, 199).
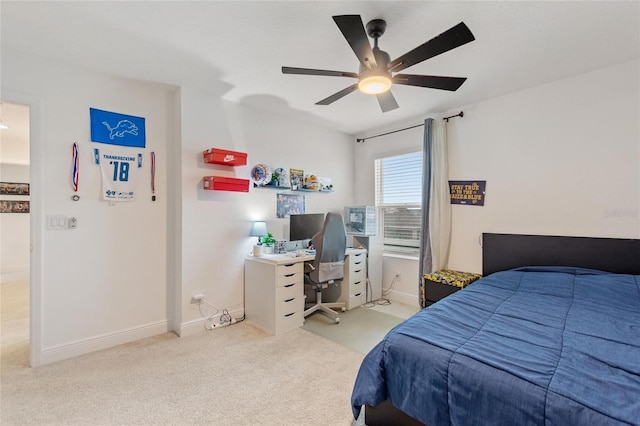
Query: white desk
(274, 288)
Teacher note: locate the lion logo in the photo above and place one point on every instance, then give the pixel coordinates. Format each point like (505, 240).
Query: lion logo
(123, 126)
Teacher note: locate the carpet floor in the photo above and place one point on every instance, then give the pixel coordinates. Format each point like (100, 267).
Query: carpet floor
(236, 375)
(231, 376)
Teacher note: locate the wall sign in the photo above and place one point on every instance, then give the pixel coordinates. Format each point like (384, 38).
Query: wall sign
(469, 192)
(117, 129)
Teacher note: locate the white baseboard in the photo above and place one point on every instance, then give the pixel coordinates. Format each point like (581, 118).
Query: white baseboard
(198, 325)
(10, 274)
(406, 298)
(81, 347)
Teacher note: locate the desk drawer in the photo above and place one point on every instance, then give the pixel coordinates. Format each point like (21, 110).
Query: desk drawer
(288, 291)
(288, 321)
(357, 299)
(357, 275)
(287, 280)
(357, 259)
(290, 268)
(289, 305)
(356, 287)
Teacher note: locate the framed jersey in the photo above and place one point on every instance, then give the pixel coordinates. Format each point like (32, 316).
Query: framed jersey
(119, 173)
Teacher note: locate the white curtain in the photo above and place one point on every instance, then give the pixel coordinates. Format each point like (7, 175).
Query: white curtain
(435, 238)
(440, 205)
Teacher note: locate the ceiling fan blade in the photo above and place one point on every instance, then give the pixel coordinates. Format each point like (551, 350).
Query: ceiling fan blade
(344, 92)
(430, 81)
(311, 71)
(454, 37)
(353, 30)
(387, 101)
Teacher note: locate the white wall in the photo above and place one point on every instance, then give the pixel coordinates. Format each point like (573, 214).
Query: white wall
(216, 225)
(128, 271)
(105, 282)
(559, 159)
(14, 228)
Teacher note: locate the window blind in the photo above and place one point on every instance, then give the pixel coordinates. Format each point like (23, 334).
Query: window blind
(398, 182)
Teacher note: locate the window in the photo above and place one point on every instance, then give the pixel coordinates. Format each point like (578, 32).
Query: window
(399, 200)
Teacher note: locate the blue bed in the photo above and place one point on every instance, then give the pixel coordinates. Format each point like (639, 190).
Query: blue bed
(528, 346)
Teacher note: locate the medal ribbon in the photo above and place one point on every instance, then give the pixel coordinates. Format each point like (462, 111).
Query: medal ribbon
(153, 176)
(76, 167)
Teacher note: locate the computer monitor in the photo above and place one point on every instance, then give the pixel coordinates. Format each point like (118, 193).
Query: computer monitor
(305, 226)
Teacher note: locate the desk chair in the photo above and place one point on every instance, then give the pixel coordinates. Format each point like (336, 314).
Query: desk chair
(328, 266)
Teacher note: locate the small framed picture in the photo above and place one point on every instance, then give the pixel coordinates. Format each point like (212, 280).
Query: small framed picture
(12, 188)
(11, 206)
(288, 204)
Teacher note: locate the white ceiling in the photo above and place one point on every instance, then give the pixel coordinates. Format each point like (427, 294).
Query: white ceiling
(236, 48)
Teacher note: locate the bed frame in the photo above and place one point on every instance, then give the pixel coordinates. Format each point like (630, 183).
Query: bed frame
(501, 252)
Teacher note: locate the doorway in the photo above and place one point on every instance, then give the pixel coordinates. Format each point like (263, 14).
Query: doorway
(15, 190)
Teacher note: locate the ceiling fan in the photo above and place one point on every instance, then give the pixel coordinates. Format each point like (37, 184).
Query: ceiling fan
(378, 71)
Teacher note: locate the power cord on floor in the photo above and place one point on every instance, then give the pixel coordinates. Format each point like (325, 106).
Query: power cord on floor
(224, 320)
(381, 301)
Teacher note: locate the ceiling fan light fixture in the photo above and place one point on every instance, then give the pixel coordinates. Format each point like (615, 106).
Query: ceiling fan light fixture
(374, 84)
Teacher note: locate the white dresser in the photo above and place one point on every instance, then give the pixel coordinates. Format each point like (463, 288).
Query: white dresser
(274, 294)
(274, 288)
(354, 285)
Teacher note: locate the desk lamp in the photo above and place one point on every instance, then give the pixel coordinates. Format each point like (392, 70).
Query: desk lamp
(259, 229)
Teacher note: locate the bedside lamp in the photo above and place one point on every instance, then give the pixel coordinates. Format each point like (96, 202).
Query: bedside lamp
(259, 229)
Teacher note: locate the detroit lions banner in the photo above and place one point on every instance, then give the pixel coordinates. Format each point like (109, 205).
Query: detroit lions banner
(117, 129)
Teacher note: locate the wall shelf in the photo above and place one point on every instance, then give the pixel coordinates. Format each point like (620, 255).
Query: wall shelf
(288, 188)
(284, 188)
(224, 157)
(219, 183)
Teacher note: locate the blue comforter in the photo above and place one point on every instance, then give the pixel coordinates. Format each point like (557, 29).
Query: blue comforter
(530, 346)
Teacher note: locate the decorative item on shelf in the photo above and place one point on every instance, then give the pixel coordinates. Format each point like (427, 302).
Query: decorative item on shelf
(312, 183)
(296, 178)
(261, 174)
(327, 186)
(280, 178)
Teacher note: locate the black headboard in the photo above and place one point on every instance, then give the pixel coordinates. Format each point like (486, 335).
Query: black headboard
(501, 252)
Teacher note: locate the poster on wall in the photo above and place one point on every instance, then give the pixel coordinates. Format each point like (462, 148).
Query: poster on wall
(288, 204)
(10, 206)
(117, 129)
(12, 188)
(467, 192)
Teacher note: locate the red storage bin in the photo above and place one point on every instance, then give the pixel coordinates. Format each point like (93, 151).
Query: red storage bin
(218, 183)
(224, 157)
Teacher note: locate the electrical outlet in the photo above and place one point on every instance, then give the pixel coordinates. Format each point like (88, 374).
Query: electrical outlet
(197, 297)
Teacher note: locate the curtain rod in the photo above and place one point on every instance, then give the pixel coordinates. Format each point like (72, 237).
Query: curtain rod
(460, 114)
